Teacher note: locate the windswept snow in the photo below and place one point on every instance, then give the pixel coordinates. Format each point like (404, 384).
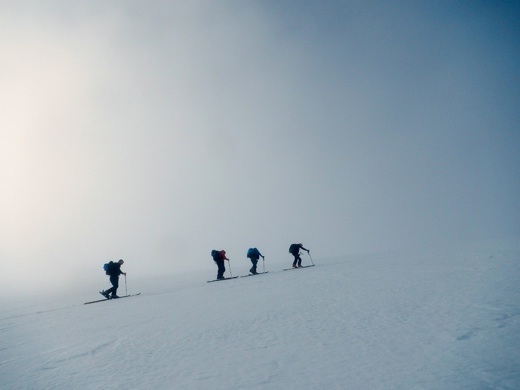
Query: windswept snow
(396, 321)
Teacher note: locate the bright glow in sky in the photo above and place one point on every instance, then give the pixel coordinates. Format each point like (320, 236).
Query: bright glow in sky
(158, 131)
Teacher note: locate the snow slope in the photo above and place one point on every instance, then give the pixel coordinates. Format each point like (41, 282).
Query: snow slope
(391, 321)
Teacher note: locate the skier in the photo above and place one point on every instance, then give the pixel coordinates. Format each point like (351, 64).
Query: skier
(219, 257)
(294, 249)
(254, 254)
(114, 270)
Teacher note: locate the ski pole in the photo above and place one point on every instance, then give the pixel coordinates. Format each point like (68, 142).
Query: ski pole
(263, 263)
(229, 265)
(126, 289)
(312, 262)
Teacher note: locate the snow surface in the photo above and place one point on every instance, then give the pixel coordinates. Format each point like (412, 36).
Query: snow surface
(390, 321)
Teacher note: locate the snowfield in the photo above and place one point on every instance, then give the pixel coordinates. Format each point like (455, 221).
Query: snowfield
(389, 321)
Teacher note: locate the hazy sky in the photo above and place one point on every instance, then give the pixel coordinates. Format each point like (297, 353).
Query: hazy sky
(156, 131)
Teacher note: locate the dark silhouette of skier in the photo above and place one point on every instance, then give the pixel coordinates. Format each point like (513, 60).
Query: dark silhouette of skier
(114, 270)
(294, 250)
(219, 257)
(254, 254)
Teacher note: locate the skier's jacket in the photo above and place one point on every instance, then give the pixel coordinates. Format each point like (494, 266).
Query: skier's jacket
(253, 253)
(294, 249)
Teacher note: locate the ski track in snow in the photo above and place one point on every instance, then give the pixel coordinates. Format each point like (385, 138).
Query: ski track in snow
(411, 321)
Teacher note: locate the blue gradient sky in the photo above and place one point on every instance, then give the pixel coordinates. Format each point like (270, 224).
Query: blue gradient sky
(157, 131)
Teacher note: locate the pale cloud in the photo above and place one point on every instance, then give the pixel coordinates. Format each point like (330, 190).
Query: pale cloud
(156, 132)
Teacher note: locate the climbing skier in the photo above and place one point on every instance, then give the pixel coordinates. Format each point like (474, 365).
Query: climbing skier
(219, 257)
(254, 254)
(114, 270)
(294, 249)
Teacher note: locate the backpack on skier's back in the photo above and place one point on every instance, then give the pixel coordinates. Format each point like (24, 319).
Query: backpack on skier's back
(215, 254)
(108, 267)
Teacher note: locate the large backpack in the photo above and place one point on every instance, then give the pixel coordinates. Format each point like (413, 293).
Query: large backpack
(215, 254)
(108, 267)
(252, 252)
(294, 249)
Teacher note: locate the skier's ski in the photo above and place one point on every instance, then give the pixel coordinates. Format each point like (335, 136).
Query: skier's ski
(303, 266)
(258, 273)
(104, 300)
(218, 280)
